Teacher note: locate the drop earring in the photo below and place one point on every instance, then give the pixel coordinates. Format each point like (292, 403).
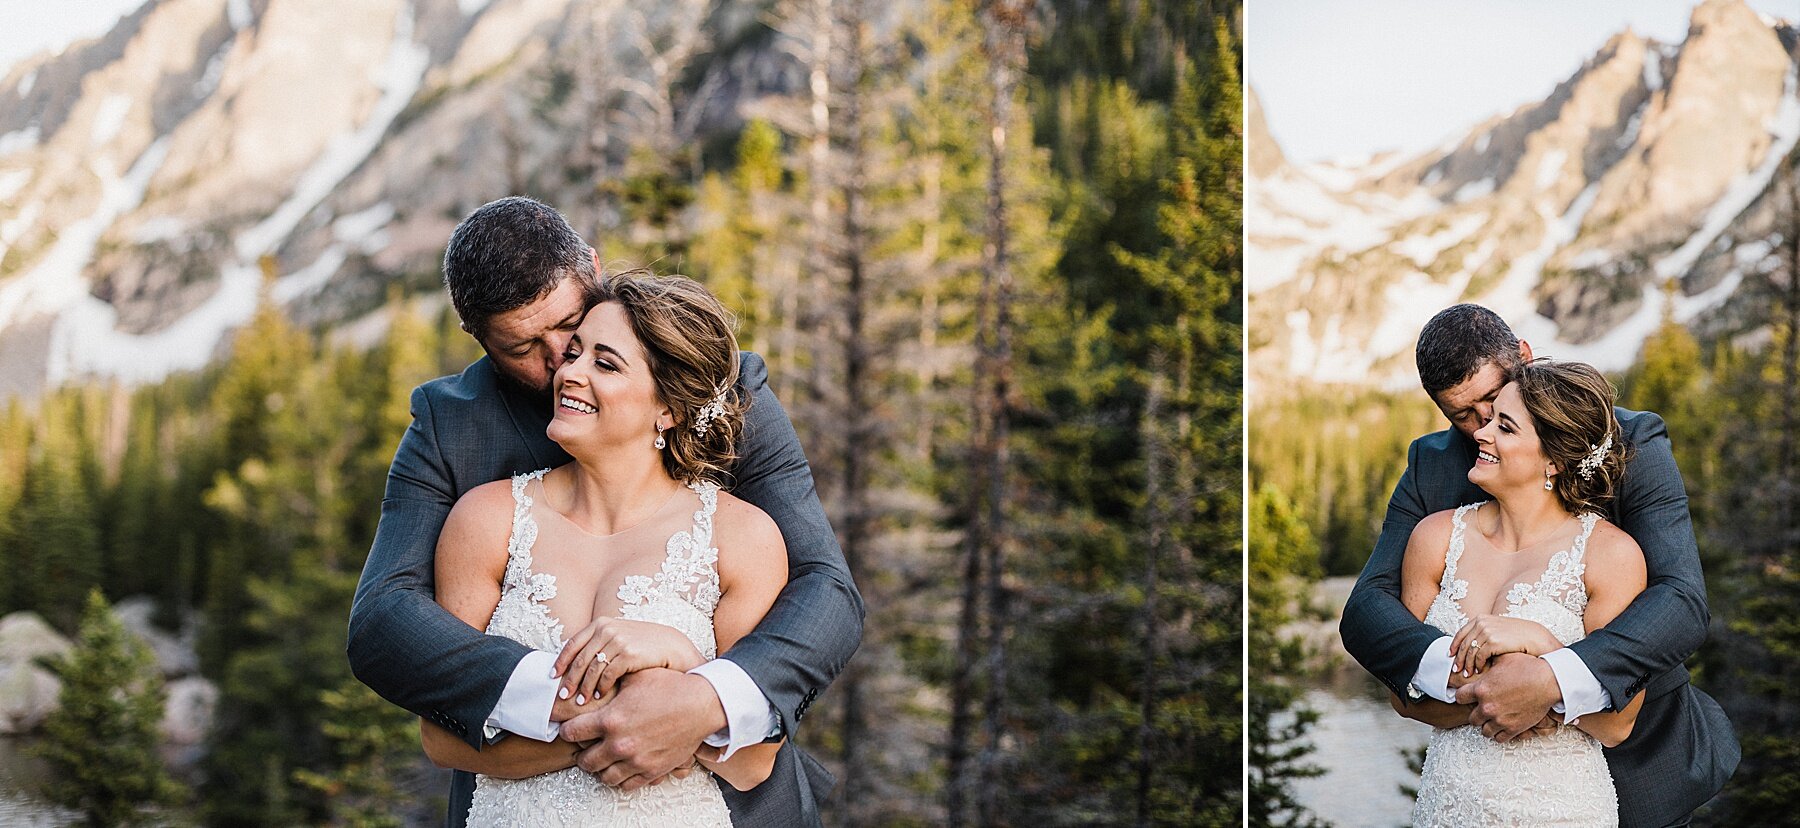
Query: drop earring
(1548, 485)
(660, 443)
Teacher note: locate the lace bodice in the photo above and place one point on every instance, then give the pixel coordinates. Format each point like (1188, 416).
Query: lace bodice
(682, 593)
(1557, 599)
(1560, 779)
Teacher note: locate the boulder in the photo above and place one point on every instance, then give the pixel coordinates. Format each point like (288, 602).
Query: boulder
(25, 637)
(188, 710)
(175, 654)
(28, 694)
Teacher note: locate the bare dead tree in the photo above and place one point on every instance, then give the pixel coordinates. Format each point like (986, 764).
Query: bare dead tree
(1003, 25)
(1785, 285)
(858, 397)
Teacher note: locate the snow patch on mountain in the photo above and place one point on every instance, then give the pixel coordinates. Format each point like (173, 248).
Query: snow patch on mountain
(109, 119)
(18, 141)
(12, 181)
(363, 231)
(399, 79)
(11, 229)
(1784, 128)
(1424, 250)
(1294, 217)
(86, 340)
(1473, 190)
(56, 282)
(1550, 168)
(238, 14)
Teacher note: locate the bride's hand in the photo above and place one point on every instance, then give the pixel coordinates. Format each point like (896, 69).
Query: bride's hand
(604, 651)
(1486, 636)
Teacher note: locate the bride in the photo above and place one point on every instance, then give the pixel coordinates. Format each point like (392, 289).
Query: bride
(1532, 571)
(633, 546)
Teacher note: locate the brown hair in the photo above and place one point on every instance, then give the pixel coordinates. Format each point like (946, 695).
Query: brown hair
(1571, 406)
(691, 345)
(510, 253)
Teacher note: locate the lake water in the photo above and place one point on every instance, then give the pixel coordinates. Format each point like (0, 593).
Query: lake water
(21, 777)
(1361, 745)
(1360, 742)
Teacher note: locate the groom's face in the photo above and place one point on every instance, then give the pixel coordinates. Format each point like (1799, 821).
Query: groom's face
(1470, 404)
(527, 343)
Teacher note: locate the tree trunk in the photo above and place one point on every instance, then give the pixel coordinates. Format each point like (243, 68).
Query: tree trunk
(857, 396)
(1004, 22)
(1157, 451)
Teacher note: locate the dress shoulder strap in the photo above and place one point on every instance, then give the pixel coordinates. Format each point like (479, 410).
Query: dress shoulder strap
(703, 517)
(1454, 553)
(1578, 551)
(524, 530)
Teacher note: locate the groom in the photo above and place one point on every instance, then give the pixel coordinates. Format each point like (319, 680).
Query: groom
(521, 281)
(1683, 749)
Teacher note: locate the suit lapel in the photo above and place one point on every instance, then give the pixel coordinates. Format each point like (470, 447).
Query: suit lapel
(1454, 485)
(529, 422)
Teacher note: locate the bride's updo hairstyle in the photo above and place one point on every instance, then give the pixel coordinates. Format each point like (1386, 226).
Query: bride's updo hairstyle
(1571, 406)
(692, 349)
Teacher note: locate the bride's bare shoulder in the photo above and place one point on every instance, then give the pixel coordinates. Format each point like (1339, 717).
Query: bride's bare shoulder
(746, 536)
(1611, 551)
(481, 515)
(1433, 532)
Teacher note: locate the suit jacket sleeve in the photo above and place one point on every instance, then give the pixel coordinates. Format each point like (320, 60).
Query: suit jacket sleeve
(1667, 622)
(816, 623)
(401, 643)
(1377, 629)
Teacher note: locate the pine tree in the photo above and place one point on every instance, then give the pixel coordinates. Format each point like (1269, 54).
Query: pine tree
(374, 743)
(100, 744)
(1283, 557)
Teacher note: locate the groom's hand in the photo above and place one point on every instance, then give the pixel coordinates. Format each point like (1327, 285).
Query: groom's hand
(1514, 694)
(651, 728)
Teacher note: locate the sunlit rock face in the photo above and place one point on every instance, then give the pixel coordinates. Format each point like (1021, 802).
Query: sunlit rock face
(153, 179)
(1639, 189)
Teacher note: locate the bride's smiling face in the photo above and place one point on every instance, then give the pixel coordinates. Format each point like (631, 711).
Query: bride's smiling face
(605, 393)
(1508, 453)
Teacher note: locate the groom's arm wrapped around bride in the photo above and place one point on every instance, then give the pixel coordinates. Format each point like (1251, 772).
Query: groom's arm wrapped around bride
(1643, 648)
(465, 432)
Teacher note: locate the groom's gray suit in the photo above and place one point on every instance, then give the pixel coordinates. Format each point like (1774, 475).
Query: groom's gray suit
(1683, 748)
(473, 428)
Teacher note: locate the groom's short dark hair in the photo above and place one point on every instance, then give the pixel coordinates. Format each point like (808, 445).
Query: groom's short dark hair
(508, 253)
(1458, 341)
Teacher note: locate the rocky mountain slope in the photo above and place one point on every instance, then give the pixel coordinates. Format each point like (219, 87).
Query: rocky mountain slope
(1639, 188)
(150, 178)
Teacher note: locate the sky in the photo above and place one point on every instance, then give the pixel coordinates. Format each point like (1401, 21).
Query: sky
(1342, 79)
(28, 26)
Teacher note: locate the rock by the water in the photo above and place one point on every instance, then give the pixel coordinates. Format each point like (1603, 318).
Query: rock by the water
(24, 637)
(188, 711)
(175, 654)
(27, 691)
(28, 694)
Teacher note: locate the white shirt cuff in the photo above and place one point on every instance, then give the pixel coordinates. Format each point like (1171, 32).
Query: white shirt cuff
(749, 717)
(1433, 676)
(1581, 692)
(525, 704)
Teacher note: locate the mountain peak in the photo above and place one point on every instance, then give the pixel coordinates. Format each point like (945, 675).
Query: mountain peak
(1633, 192)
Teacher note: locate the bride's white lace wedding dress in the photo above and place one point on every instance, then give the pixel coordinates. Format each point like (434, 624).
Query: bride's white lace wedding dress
(683, 595)
(1471, 781)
